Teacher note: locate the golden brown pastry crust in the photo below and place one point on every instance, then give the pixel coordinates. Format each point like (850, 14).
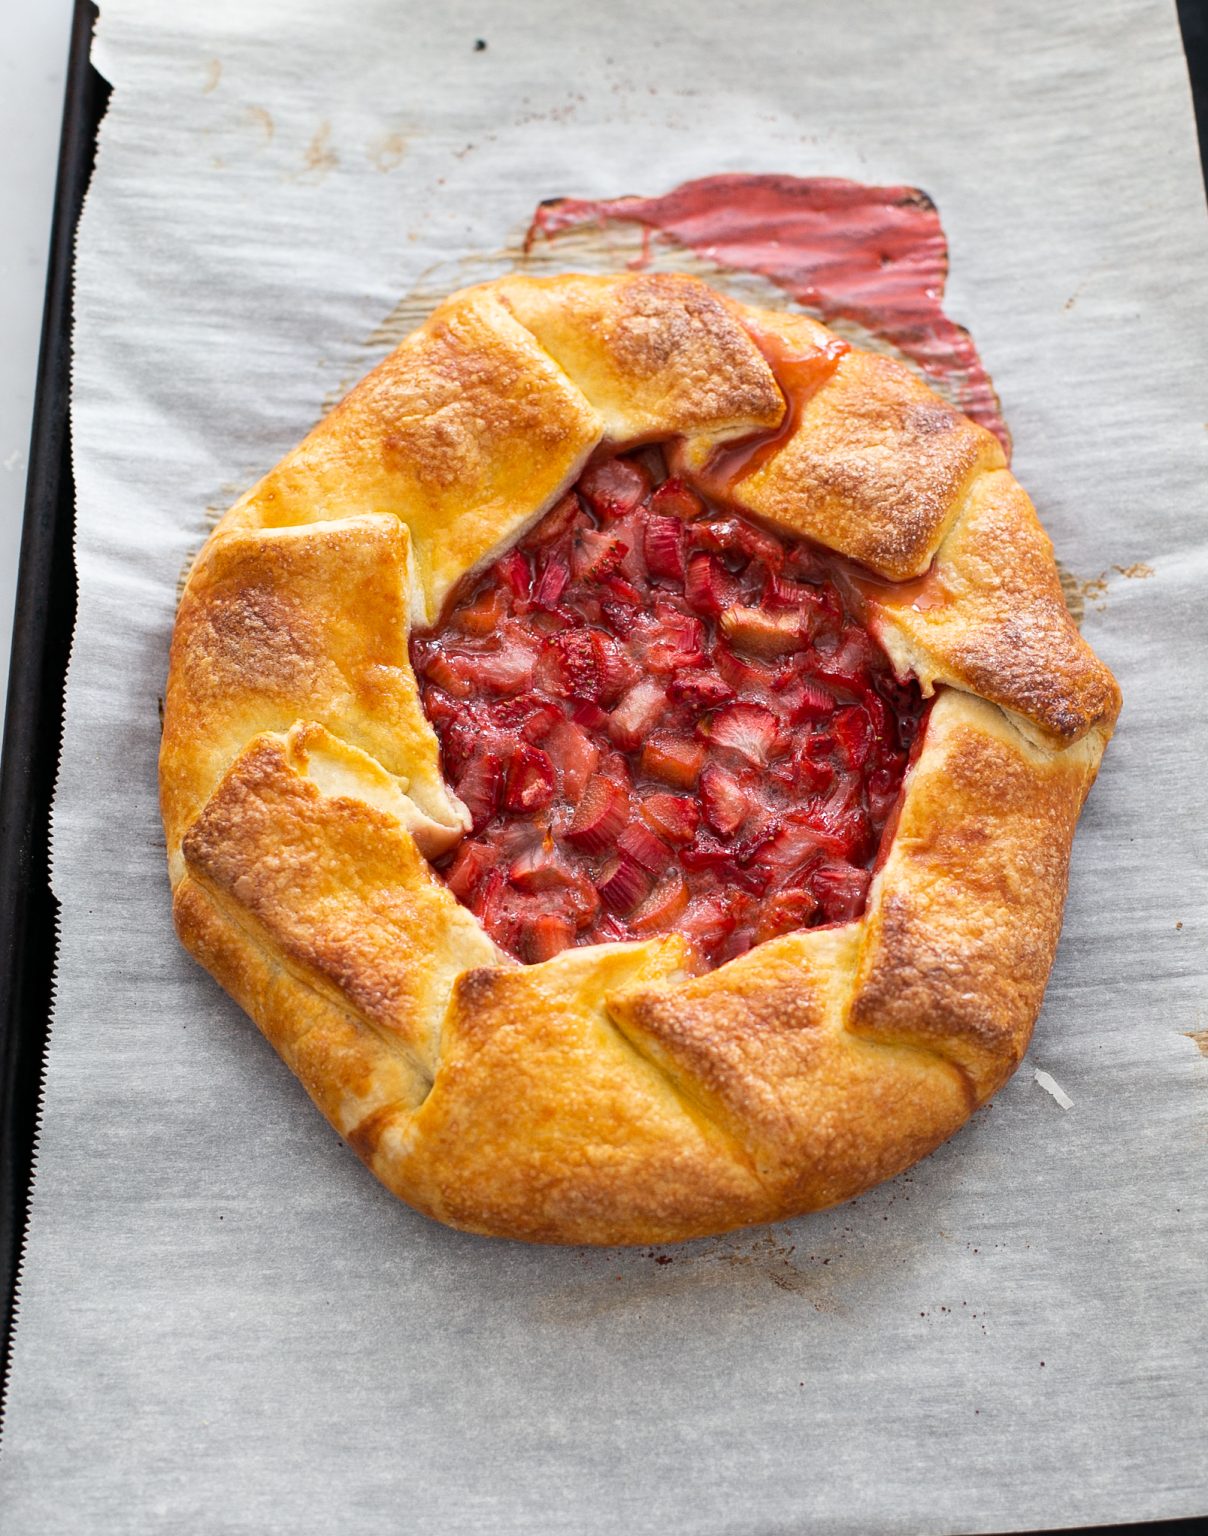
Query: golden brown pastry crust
(608, 1095)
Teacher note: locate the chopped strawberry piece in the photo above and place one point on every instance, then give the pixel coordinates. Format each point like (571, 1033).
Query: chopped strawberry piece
(750, 730)
(663, 547)
(725, 803)
(613, 487)
(557, 521)
(674, 499)
(548, 936)
(674, 817)
(841, 891)
(552, 582)
(662, 907)
(700, 690)
(539, 869)
(640, 843)
(733, 535)
(706, 924)
(575, 755)
(470, 865)
(599, 817)
(531, 781)
(515, 573)
(596, 554)
(508, 669)
(673, 759)
(588, 665)
(784, 912)
(764, 633)
(622, 884)
(635, 716)
(447, 671)
(480, 787)
(482, 616)
(853, 732)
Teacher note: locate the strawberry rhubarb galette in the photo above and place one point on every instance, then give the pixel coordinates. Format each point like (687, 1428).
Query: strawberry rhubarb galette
(626, 761)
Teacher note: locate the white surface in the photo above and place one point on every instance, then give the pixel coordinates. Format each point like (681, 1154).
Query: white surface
(33, 61)
(225, 1324)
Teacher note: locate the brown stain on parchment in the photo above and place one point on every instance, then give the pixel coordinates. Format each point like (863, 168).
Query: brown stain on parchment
(752, 1260)
(320, 157)
(261, 118)
(213, 76)
(1200, 1036)
(1092, 591)
(387, 151)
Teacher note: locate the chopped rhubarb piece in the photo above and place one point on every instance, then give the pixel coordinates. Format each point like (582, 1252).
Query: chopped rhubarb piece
(674, 817)
(479, 788)
(764, 633)
(743, 674)
(673, 641)
(803, 700)
(674, 499)
(622, 884)
(531, 780)
(470, 865)
(613, 487)
(662, 907)
(673, 759)
(663, 546)
(707, 584)
(548, 936)
(725, 803)
(599, 817)
(644, 848)
(749, 730)
(589, 715)
(636, 715)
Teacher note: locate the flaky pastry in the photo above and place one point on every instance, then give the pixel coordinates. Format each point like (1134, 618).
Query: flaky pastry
(739, 934)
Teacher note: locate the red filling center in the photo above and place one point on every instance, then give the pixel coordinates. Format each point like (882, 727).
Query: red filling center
(661, 717)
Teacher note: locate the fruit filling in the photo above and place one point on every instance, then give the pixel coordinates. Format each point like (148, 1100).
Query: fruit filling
(661, 717)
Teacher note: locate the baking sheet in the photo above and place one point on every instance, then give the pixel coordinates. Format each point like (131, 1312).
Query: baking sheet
(225, 1325)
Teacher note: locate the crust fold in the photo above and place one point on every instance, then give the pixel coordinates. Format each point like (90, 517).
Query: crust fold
(964, 916)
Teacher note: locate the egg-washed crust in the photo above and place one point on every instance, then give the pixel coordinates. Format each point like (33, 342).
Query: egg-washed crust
(610, 1095)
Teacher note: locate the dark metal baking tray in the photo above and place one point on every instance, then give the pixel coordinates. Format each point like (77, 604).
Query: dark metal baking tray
(41, 643)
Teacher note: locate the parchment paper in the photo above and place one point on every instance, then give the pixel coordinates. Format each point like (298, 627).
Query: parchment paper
(225, 1325)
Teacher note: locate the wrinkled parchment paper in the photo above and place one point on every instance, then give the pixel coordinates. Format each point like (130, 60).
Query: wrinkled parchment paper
(225, 1325)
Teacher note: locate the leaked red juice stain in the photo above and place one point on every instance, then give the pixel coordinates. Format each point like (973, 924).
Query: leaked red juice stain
(877, 256)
